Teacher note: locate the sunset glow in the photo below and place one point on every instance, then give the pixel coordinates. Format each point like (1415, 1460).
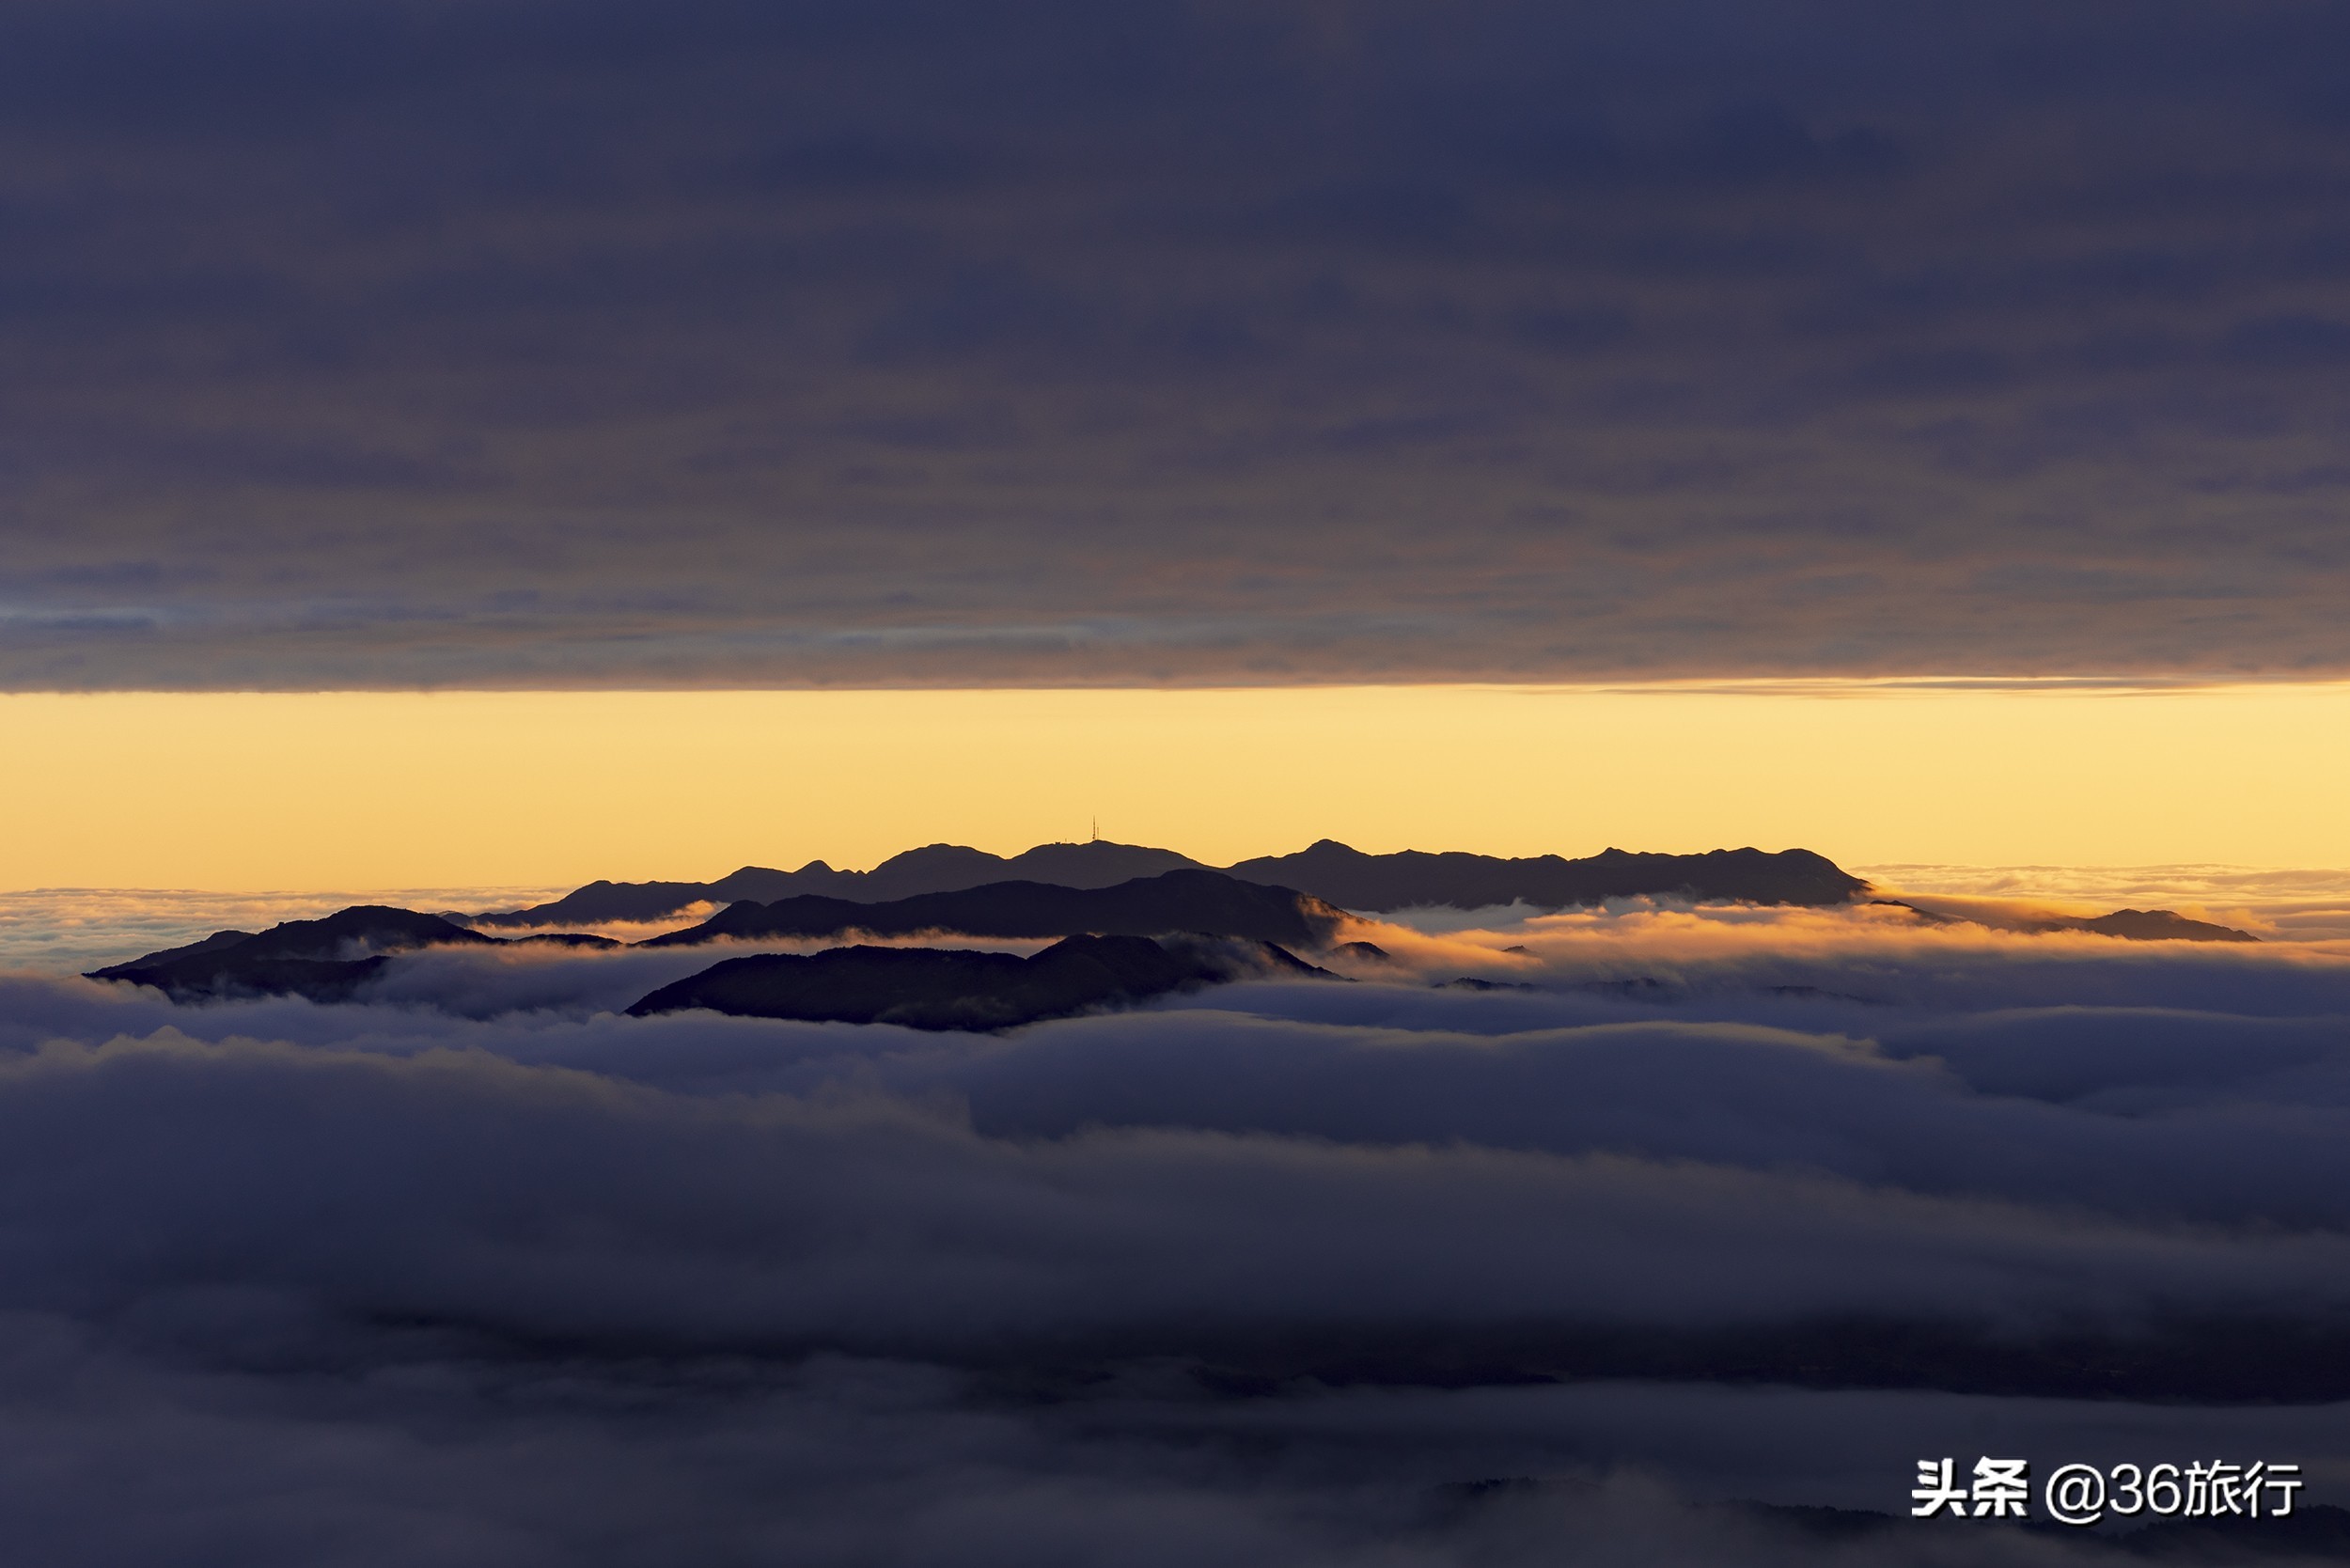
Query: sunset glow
(393, 790)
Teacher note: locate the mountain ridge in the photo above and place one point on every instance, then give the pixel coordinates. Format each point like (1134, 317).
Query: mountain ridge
(951, 988)
(325, 959)
(330, 959)
(909, 873)
(1420, 879)
(1180, 901)
(1332, 872)
(2127, 925)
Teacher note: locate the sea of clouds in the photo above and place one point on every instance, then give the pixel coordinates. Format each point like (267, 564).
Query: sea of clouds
(1693, 1210)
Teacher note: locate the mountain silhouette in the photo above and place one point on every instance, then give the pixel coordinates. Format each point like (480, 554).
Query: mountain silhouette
(1184, 900)
(1415, 879)
(2153, 925)
(214, 943)
(325, 959)
(1329, 871)
(933, 988)
(2130, 925)
(932, 869)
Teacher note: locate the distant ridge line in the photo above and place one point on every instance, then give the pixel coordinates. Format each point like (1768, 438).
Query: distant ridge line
(1329, 871)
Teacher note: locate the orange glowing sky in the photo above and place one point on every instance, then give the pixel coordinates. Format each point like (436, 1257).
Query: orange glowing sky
(354, 789)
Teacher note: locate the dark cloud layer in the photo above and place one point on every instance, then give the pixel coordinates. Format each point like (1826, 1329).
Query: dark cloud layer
(389, 343)
(480, 1271)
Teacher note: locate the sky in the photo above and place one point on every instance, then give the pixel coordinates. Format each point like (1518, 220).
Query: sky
(1378, 356)
(249, 791)
(407, 343)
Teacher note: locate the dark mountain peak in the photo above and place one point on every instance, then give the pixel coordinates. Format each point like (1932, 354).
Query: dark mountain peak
(1416, 878)
(944, 988)
(937, 857)
(1097, 863)
(1239, 958)
(325, 959)
(1179, 901)
(748, 881)
(1327, 849)
(360, 932)
(932, 868)
(2157, 925)
(214, 943)
(2130, 925)
(600, 901)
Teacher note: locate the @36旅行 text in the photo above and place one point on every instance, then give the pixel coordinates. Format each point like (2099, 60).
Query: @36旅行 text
(2077, 1494)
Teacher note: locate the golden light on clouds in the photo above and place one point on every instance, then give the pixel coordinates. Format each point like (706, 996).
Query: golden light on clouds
(390, 790)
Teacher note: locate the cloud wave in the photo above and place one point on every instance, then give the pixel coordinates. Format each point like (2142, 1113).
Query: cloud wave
(1276, 1264)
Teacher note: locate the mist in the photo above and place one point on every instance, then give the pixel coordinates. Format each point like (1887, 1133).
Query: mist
(1272, 1272)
